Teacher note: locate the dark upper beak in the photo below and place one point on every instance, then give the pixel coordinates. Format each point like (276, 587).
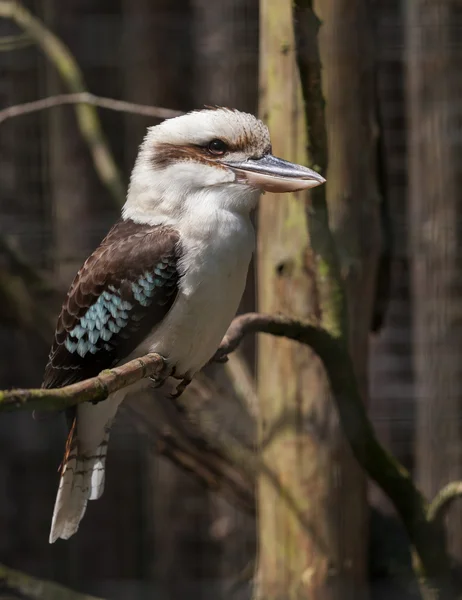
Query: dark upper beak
(275, 174)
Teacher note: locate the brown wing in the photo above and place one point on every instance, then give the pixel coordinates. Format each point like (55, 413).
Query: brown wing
(122, 291)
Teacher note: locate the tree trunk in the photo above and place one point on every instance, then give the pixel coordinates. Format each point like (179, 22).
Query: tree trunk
(435, 114)
(313, 536)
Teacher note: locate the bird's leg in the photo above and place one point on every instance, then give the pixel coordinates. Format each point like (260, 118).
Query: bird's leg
(159, 380)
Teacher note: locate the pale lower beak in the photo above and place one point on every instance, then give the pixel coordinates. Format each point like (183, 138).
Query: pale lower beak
(273, 174)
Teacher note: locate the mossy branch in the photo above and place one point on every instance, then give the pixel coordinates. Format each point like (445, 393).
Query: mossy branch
(94, 390)
(66, 65)
(25, 586)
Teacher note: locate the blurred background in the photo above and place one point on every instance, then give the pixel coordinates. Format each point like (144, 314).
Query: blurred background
(159, 531)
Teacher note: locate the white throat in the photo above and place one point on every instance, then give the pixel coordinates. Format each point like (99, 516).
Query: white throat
(183, 192)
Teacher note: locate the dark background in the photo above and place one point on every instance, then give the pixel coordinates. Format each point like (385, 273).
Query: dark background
(156, 525)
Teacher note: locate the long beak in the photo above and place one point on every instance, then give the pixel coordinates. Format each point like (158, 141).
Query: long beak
(273, 174)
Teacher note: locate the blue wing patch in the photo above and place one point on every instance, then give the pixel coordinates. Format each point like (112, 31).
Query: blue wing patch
(110, 314)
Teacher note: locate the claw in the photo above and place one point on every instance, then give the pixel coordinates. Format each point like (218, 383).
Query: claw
(159, 381)
(180, 388)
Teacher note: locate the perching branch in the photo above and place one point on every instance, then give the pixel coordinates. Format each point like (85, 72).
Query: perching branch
(25, 586)
(87, 98)
(95, 389)
(66, 65)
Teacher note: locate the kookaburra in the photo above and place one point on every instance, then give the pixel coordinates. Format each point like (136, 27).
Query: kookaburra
(167, 278)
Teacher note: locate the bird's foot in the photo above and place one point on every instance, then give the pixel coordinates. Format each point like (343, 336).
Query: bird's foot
(180, 388)
(159, 380)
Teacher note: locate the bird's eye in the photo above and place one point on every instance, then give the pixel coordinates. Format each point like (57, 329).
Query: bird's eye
(217, 147)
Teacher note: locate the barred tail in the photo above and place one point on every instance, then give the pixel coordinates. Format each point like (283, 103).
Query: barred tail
(83, 466)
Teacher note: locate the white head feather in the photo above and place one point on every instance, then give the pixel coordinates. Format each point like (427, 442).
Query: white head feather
(174, 177)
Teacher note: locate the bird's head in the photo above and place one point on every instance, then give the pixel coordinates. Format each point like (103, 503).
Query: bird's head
(219, 156)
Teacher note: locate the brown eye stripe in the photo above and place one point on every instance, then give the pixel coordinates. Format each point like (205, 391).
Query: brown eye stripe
(166, 154)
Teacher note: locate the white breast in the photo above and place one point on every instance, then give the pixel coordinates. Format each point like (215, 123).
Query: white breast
(217, 250)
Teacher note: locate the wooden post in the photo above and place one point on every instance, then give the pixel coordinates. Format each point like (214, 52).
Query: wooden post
(312, 510)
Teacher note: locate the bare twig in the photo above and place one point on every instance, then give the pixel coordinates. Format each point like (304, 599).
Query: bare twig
(66, 65)
(444, 499)
(87, 98)
(26, 586)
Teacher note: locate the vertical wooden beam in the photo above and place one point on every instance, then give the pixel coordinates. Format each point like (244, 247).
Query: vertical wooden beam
(313, 534)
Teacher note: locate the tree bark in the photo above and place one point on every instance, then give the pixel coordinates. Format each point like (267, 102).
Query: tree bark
(320, 552)
(434, 111)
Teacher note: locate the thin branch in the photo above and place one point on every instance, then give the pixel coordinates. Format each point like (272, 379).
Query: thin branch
(95, 389)
(443, 500)
(87, 98)
(307, 332)
(66, 65)
(36, 589)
